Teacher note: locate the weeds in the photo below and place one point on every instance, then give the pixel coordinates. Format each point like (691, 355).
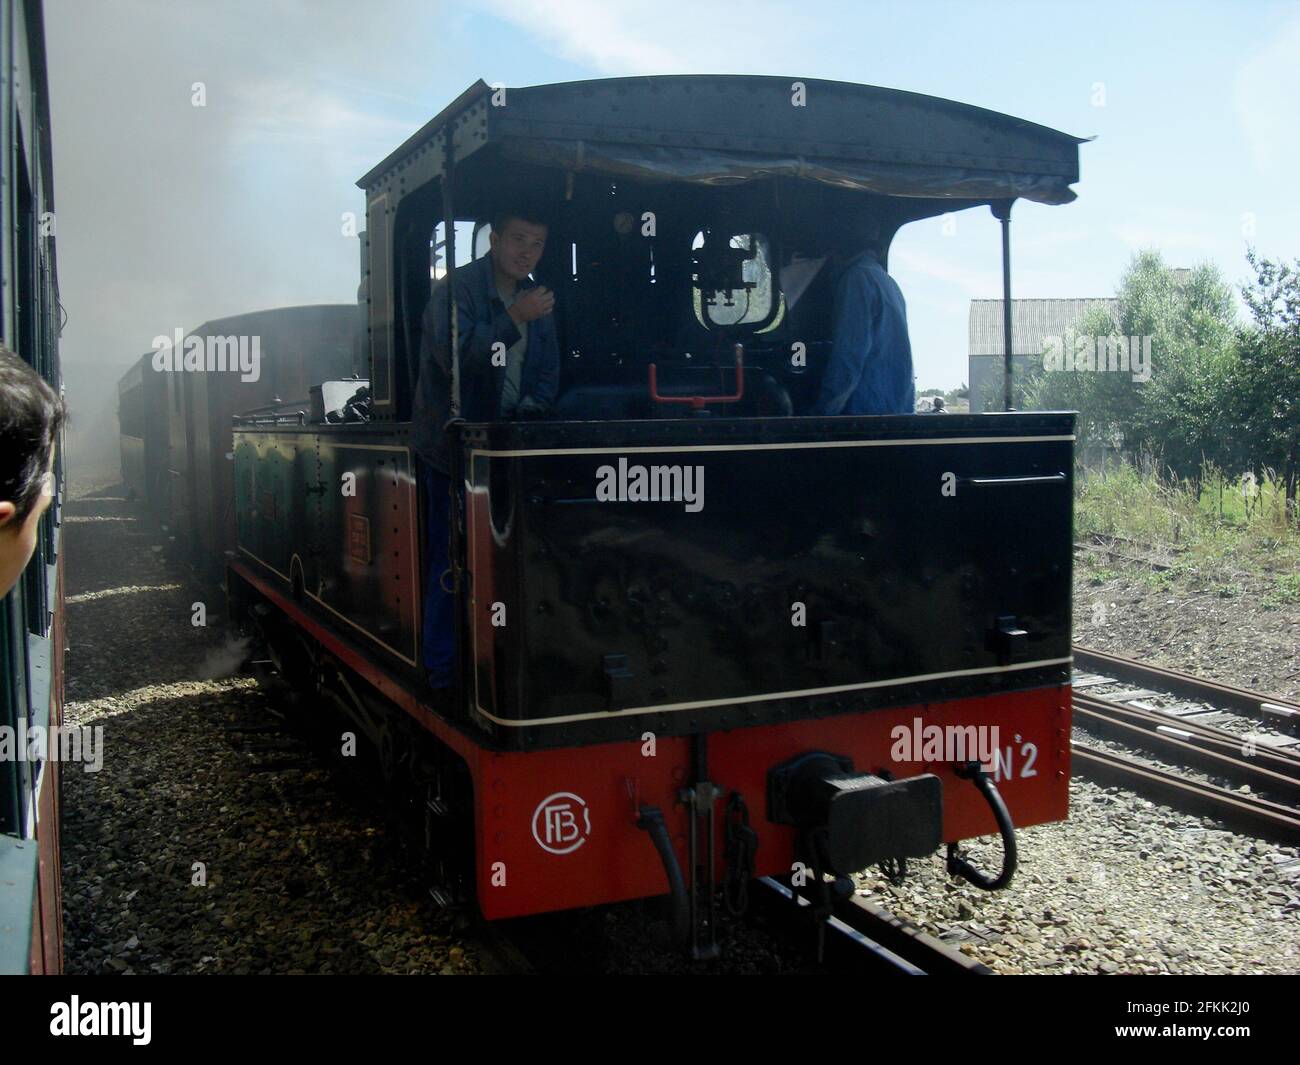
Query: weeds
(1101, 576)
(1288, 591)
(1215, 522)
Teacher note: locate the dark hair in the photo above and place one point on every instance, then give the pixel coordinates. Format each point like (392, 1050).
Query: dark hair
(30, 418)
(522, 212)
(855, 228)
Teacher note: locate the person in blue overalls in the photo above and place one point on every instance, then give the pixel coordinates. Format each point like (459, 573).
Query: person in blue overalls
(509, 368)
(870, 367)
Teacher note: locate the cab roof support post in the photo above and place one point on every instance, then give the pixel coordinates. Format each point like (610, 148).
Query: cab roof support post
(1002, 212)
(449, 259)
(455, 532)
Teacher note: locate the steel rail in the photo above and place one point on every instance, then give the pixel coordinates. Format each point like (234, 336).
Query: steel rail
(1244, 814)
(862, 936)
(1272, 708)
(1281, 759)
(1196, 752)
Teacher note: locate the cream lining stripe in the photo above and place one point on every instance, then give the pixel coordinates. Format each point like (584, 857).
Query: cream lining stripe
(705, 704)
(790, 446)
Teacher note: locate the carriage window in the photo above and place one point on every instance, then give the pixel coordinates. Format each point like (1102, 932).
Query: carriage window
(732, 277)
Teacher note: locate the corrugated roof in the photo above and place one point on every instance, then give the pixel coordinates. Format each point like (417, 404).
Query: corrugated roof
(1031, 321)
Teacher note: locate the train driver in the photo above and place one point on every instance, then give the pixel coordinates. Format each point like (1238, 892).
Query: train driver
(30, 418)
(870, 368)
(509, 368)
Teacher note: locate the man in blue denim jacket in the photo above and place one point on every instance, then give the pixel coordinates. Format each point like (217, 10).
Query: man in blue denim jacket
(509, 368)
(870, 368)
(509, 355)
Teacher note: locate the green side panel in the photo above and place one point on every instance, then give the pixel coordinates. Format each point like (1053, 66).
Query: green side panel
(368, 563)
(38, 674)
(18, 872)
(274, 504)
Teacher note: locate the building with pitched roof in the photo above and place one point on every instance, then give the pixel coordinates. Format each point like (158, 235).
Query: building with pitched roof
(1031, 322)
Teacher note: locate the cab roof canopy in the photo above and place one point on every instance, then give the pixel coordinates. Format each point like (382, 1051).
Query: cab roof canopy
(730, 129)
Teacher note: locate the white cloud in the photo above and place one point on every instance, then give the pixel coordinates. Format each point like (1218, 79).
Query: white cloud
(289, 112)
(911, 263)
(1139, 237)
(1050, 239)
(668, 36)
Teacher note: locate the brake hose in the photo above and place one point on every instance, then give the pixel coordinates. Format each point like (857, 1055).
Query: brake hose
(650, 819)
(957, 864)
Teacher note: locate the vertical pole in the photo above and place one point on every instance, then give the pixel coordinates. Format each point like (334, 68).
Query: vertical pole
(453, 415)
(449, 250)
(1002, 212)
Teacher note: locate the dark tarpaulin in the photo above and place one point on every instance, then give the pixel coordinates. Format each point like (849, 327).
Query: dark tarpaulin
(713, 166)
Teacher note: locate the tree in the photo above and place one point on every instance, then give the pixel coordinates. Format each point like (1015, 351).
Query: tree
(1182, 416)
(1262, 391)
(1177, 414)
(1105, 401)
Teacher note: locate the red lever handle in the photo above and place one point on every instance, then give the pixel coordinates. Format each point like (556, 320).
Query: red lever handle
(698, 402)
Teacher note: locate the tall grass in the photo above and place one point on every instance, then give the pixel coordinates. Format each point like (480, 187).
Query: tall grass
(1217, 517)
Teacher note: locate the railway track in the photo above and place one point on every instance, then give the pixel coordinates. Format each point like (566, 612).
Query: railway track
(862, 937)
(1265, 768)
(859, 938)
(1243, 813)
(1279, 713)
(1280, 755)
(1112, 554)
(1275, 773)
(499, 954)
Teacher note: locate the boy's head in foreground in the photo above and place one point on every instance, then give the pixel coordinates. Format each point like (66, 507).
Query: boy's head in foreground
(30, 418)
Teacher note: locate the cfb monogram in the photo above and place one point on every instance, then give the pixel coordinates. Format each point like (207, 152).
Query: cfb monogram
(556, 823)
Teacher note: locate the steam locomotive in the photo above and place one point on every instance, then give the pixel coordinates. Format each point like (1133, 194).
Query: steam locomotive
(826, 642)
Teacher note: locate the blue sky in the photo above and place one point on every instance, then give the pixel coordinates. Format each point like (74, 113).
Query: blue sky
(1195, 108)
